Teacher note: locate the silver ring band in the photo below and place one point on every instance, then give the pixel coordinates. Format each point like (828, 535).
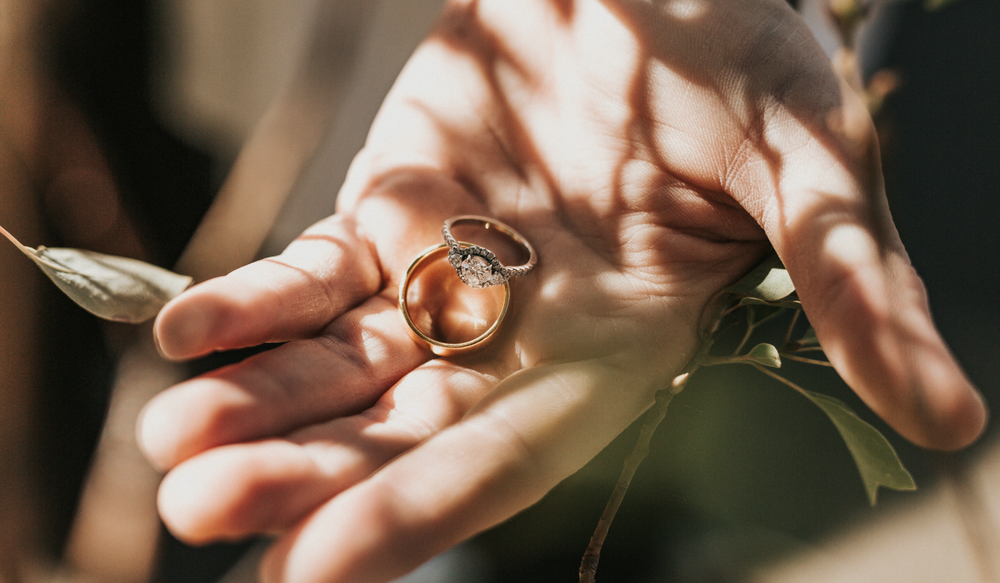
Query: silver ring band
(478, 266)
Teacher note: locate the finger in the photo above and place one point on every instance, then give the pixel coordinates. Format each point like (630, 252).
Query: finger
(324, 272)
(397, 211)
(829, 221)
(343, 371)
(533, 430)
(238, 490)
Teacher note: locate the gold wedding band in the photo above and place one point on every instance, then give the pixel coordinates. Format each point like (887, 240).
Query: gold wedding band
(439, 347)
(478, 266)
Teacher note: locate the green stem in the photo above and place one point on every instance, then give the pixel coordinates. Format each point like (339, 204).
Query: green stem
(771, 316)
(720, 360)
(805, 360)
(751, 326)
(791, 326)
(655, 415)
(780, 378)
(809, 349)
(745, 339)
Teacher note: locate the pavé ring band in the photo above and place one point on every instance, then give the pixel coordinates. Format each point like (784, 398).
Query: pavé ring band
(439, 347)
(478, 266)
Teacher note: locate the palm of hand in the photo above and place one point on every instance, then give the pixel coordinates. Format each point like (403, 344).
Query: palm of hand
(640, 161)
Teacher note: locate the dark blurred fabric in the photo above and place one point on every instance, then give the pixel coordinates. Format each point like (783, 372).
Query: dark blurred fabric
(101, 54)
(98, 55)
(942, 139)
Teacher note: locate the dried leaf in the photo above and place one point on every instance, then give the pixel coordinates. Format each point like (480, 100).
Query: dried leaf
(111, 287)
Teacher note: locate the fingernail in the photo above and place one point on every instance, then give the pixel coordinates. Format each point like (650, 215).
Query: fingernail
(182, 332)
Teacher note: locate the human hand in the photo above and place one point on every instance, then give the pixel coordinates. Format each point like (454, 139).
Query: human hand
(652, 153)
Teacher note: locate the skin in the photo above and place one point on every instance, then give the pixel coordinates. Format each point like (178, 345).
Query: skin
(653, 153)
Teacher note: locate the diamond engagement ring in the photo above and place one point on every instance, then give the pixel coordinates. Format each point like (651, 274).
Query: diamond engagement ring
(478, 266)
(440, 347)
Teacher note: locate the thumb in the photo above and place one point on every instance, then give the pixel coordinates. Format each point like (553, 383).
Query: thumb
(828, 219)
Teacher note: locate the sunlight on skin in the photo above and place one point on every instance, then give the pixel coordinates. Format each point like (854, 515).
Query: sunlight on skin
(904, 352)
(570, 135)
(157, 425)
(645, 189)
(865, 274)
(685, 9)
(684, 135)
(475, 497)
(848, 245)
(279, 481)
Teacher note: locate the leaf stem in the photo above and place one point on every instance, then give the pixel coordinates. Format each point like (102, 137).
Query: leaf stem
(779, 378)
(727, 312)
(655, 415)
(34, 254)
(809, 349)
(751, 326)
(771, 316)
(791, 327)
(744, 340)
(13, 239)
(790, 356)
(720, 360)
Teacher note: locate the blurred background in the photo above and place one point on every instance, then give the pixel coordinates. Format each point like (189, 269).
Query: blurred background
(139, 127)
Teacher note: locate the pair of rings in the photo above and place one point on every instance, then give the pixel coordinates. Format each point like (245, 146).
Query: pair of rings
(477, 267)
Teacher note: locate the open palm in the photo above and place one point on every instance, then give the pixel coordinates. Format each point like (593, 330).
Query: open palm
(652, 152)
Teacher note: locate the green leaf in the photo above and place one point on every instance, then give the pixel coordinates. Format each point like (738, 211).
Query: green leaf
(809, 338)
(111, 287)
(876, 459)
(768, 282)
(766, 355)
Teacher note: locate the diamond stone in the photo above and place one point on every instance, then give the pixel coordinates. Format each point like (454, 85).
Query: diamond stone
(476, 271)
